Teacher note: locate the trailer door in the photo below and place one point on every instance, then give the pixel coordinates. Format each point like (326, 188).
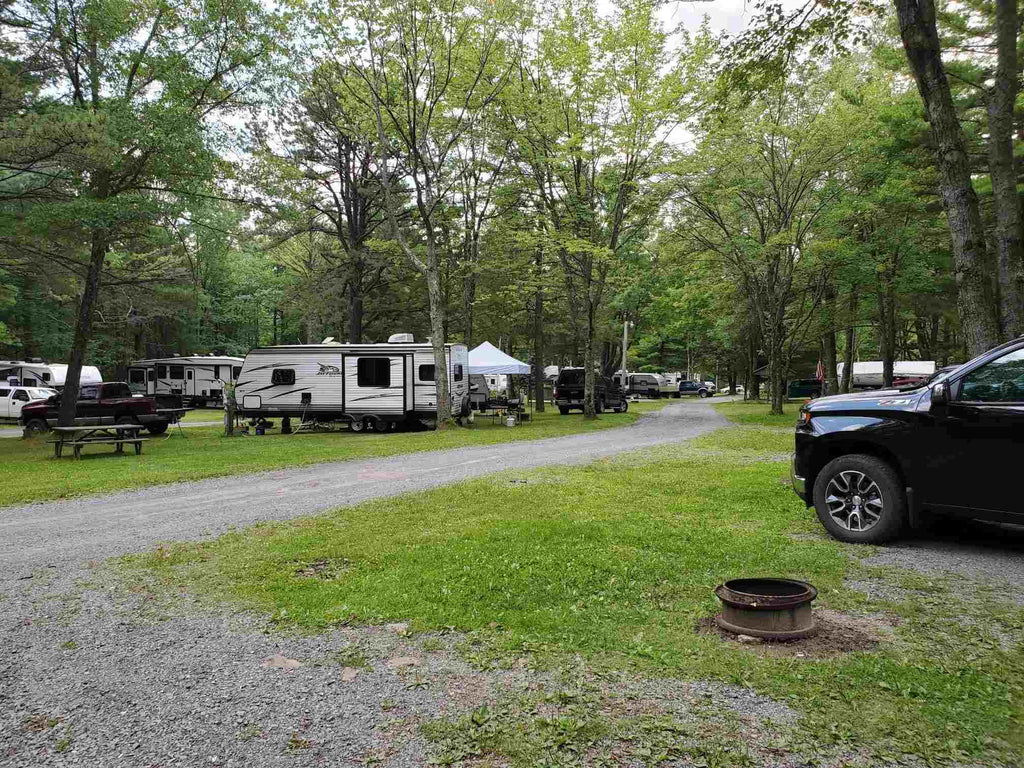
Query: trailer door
(410, 384)
(190, 382)
(374, 384)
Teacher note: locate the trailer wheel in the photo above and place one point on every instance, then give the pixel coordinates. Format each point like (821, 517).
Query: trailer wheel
(356, 425)
(380, 425)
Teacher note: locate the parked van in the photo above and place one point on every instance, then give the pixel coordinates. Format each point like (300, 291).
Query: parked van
(367, 385)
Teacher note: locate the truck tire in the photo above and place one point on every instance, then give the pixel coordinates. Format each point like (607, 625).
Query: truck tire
(157, 427)
(35, 428)
(703, 393)
(564, 410)
(860, 499)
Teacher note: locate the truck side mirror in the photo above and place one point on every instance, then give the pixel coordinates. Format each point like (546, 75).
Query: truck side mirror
(940, 394)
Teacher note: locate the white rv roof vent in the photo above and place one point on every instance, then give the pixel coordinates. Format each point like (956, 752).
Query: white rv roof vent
(400, 338)
(328, 340)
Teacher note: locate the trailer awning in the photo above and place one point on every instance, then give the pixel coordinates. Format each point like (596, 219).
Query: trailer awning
(487, 358)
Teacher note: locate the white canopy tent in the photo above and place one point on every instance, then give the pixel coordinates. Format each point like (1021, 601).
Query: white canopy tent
(487, 358)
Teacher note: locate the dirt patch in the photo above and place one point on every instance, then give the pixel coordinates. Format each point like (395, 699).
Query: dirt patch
(322, 569)
(838, 634)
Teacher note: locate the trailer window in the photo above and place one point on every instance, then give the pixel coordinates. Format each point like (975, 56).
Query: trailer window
(427, 372)
(161, 371)
(216, 372)
(190, 374)
(236, 371)
(458, 373)
(150, 374)
(136, 376)
(44, 376)
(282, 376)
(374, 372)
(177, 371)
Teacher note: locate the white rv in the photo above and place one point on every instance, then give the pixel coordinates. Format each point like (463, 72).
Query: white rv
(36, 373)
(197, 379)
(868, 374)
(367, 385)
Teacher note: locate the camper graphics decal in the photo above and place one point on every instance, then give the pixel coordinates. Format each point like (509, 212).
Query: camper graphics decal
(328, 370)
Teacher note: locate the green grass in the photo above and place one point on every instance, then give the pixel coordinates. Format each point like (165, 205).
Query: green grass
(616, 561)
(759, 414)
(31, 473)
(203, 414)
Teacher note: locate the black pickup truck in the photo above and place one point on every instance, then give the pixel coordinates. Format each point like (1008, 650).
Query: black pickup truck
(872, 462)
(108, 403)
(569, 393)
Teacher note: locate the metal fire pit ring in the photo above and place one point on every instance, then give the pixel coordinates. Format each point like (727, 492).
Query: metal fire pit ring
(775, 609)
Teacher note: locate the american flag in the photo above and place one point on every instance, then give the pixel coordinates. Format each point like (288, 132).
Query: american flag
(820, 373)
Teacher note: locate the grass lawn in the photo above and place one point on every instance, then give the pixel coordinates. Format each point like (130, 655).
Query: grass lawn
(758, 413)
(203, 414)
(33, 474)
(614, 563)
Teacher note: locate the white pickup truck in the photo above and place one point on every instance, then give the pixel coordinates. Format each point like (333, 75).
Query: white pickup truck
(12, 399)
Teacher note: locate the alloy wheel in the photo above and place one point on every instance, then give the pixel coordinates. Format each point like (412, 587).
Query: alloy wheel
(854, 500)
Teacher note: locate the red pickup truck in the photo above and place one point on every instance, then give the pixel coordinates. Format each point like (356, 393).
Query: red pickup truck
(108, 403)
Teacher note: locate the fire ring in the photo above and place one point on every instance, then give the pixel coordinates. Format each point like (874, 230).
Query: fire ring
(775, 609)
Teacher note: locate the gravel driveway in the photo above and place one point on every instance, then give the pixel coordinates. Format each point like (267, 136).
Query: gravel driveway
(93, 675)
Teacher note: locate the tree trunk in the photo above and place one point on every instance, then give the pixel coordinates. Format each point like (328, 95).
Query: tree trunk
(538, 335)
(588, 362)
(437, 323)
(829, 354)
(886, 326)
(1002, 98)
(355, 304)
(974, 299)
(775, 377)
(83, 331)
(851, 337)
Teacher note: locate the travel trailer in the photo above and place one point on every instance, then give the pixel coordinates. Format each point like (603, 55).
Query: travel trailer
(370, 386)
(868, 374)
(198, 379)
(36, 373)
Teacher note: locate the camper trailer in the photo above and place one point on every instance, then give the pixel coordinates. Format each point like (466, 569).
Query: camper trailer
(36, 373)
(370, 386)
(868, 374)
(197, 379)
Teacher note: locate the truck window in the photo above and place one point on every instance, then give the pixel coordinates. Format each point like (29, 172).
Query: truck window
(88, 392)
(567, 378)
(426, 372)
(21, 395)
(117, 389)
(177, 371)
(282, 376)
(374, 372)
(5, 393)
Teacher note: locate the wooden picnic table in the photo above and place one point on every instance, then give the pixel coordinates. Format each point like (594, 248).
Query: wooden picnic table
(111, 434)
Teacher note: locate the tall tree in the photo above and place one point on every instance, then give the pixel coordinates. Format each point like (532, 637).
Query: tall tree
(120, 138)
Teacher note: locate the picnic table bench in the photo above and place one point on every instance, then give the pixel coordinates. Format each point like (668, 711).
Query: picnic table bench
(114, 434)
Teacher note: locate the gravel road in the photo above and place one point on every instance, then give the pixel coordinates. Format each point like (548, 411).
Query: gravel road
(95, 675)
(101, 526)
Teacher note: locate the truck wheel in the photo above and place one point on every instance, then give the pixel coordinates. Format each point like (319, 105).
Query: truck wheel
(860, 499)
(703, 393)
(35, 428)
(623, 407)
(563, 410)
(157, 428)
(126, 418)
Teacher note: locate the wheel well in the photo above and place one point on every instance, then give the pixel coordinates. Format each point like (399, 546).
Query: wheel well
(846, 447)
